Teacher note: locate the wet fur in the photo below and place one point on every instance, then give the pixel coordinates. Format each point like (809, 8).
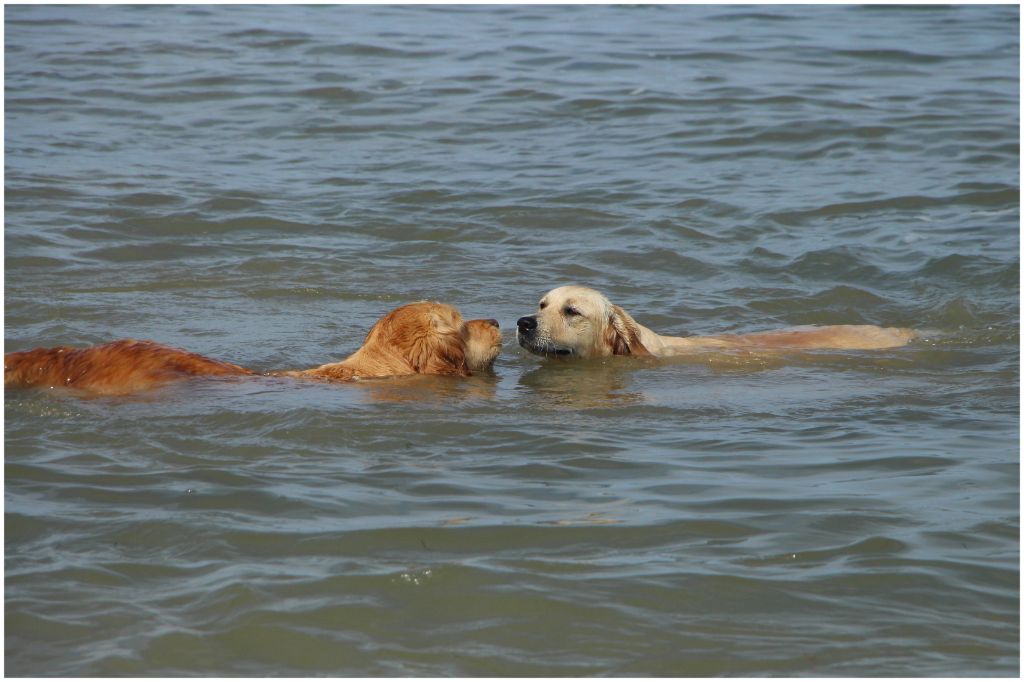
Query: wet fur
(123, 366)
(622, 334)
(598, 328)
(419, 338)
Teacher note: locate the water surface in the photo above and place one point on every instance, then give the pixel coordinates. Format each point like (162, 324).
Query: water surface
(259, 184)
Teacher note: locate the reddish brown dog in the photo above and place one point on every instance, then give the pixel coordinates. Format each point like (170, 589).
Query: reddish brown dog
(419, 338)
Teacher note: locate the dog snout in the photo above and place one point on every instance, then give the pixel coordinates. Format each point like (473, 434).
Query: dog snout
(527, 324)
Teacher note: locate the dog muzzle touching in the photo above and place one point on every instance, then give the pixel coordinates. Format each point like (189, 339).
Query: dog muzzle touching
(530, 339)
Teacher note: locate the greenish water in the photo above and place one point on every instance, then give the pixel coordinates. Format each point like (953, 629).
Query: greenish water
(259, 184)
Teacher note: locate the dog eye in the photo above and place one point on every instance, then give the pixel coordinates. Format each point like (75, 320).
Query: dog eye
(570, 311)
(542, 305)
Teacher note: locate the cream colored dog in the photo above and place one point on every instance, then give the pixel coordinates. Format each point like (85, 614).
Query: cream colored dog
(574, 321)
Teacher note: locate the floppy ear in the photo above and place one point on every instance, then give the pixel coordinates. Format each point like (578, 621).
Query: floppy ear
(623, 334)
(434, 345)
(442, 352)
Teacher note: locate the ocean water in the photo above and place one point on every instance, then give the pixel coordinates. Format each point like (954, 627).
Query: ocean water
(261, 183)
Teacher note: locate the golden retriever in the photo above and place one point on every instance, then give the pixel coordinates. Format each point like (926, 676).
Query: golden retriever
(574, 321)
(419, 338)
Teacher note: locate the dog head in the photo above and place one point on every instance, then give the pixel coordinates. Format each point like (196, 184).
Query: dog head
(483, 344)
(432, 338)
(574, 321)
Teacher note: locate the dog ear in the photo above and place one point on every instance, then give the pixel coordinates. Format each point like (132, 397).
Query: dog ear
(443, 352)
(436, 346)
(623, 334)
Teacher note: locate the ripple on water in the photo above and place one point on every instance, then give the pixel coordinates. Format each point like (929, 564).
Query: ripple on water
(247, 185)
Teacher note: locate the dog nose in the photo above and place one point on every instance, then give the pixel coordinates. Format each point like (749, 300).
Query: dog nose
(527, 324)
(493, 323)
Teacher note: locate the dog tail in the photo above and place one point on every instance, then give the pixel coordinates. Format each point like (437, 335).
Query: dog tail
(25, 369)
(116, 367)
